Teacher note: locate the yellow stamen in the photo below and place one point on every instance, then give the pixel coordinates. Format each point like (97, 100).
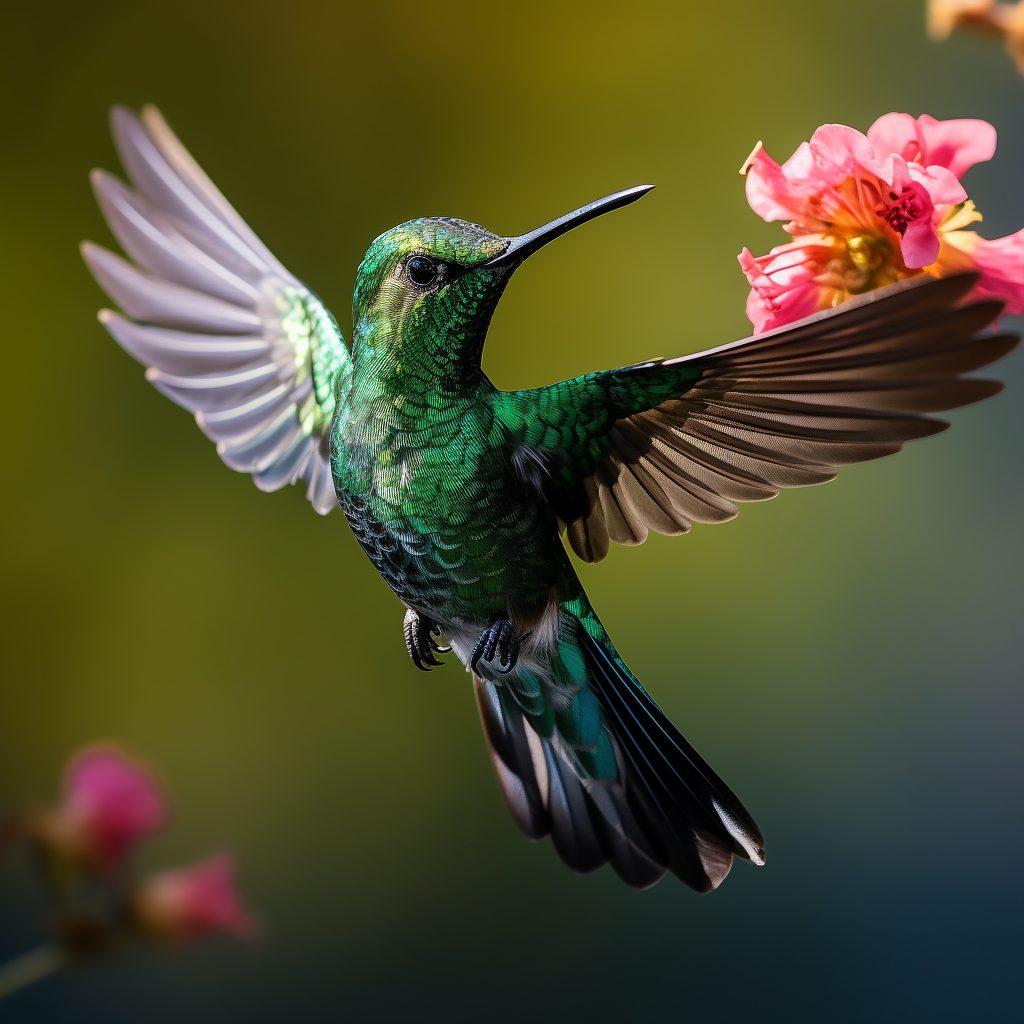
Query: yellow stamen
(750, 159)
(961, 216)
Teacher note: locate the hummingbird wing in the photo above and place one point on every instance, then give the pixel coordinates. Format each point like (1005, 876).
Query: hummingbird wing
(222, 327)
(664, 444)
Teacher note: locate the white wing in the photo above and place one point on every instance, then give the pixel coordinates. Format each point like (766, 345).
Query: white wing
(222, 327)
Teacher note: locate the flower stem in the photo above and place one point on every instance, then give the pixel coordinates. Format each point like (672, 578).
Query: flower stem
(30, 967)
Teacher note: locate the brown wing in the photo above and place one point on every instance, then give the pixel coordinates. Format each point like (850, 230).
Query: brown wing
(662, 445)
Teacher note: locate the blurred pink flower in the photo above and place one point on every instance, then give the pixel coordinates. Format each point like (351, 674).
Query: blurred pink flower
(1005, 21)
(946, 15)
(869, 210)
(193, 902)
(111, 803)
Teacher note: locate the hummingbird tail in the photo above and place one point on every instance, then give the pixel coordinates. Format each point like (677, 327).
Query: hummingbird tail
(652, 805)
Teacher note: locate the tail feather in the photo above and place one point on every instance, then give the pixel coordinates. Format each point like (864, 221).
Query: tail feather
(694, 797)
(509, 737)
(571, 816)
(625, 840)
(665, 810)
(547, 794)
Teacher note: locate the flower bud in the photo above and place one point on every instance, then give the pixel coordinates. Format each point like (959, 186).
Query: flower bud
(193, 902)
(110, 805)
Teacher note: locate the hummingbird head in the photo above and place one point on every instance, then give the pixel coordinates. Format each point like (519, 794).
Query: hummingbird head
(427, 289)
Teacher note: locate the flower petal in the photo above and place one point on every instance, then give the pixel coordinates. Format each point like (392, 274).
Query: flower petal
(768, 191)
(920, 245)
(1000, 262)
(956, 145)
(911, 215)
(943, 186)
(846, 149)
(896, 133)
(785, 284)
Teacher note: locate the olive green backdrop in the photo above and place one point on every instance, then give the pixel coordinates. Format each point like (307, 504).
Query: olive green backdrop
(847, 657)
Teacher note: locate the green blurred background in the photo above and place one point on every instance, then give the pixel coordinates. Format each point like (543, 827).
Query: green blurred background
(845, 656)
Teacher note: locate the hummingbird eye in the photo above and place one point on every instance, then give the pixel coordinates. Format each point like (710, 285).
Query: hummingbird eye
(422, 271)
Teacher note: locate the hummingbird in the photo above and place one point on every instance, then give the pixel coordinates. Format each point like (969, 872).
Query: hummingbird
(465, 497)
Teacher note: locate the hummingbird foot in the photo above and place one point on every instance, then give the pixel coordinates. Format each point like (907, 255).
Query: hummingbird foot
(497, 647)
(420, 640)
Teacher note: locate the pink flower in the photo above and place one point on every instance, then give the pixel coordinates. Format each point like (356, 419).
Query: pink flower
(194, 902)
(946, 15)
(784, 284)
(1003, 20)
(955, 145)
(869, 210)
(110, 805)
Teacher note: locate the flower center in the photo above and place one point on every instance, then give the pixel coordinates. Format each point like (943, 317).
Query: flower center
(867, 253)
(865, 262)
(901, 211)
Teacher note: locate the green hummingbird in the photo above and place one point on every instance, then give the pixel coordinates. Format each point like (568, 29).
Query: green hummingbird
(459, 492)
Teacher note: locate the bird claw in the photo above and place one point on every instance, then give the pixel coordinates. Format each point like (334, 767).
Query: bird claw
(435, 631)
(420, 633)
(498, 646)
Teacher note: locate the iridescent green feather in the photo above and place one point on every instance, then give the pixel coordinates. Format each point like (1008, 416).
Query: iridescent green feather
(319, 354)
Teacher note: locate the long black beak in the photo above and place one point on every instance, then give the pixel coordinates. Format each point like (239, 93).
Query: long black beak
(525, 245)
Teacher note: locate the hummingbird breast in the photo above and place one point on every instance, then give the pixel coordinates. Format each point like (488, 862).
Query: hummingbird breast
(431, 493)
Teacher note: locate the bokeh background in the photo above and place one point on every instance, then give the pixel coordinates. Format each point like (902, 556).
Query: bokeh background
(847, 656)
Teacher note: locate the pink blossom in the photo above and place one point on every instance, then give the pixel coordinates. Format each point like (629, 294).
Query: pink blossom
(1000, 263)
(784, 284)
(946, 15)
(869, 210)
(193, 902)
(955, 145)
(110, 805)
(1003, 20)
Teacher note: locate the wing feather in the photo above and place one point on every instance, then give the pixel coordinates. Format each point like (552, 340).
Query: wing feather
(152, 240)
(222, 327)
(664, 444)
